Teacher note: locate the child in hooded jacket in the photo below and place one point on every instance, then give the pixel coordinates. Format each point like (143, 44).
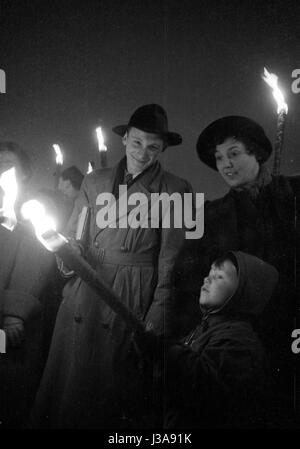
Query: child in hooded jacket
(218, 376)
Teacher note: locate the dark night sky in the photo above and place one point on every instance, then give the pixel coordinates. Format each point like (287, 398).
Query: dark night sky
(71, 66)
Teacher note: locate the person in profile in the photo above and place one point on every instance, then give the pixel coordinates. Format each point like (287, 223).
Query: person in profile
(217, 377)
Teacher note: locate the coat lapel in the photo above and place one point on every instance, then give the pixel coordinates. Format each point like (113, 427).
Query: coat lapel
(146, 184)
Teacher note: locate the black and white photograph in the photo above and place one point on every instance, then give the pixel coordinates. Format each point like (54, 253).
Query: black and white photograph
(149, 217)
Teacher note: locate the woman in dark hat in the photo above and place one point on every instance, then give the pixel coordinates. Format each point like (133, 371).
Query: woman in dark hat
(256, 216)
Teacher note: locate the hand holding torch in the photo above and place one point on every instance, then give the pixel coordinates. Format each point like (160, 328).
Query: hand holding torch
(58, 244)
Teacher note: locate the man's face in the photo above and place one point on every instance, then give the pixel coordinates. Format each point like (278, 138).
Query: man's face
(65, 186)
(8, 160)
(219, 285)
(142, 149)
(236, 166)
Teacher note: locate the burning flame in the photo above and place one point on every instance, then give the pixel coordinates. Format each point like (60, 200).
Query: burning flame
(100, 138)
(90, 168)
(272, 80)
(34, 211)
(44, 225)
(59, 156)
(8, 183)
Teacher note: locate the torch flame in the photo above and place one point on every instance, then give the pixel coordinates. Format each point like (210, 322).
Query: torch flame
(272, 80)
(34, 211)
(59, 156)
(44, 225)
(8, 183)
(90, 168)
(100, 138)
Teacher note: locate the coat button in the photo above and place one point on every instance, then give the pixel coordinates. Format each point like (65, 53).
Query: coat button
(77, 319)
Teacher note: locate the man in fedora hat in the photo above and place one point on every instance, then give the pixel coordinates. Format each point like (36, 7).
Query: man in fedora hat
(91, 379)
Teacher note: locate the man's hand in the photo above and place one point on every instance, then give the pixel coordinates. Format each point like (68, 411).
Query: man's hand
(149, 344)
(77, 246)
(65, 271)
(14, 329)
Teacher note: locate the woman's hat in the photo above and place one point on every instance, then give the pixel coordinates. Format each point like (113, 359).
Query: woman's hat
(239, 127)
(151, 118)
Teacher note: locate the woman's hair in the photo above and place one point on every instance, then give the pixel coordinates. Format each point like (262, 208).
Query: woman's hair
(22, 156)
(251, 146)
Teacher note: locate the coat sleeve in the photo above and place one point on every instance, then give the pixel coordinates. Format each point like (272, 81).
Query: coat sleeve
(171, 241)
(229, 366)
(29, 275)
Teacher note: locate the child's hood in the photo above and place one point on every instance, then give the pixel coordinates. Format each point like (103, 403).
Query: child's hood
(256, 283)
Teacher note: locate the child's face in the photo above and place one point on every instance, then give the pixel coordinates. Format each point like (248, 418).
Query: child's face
(219, 285)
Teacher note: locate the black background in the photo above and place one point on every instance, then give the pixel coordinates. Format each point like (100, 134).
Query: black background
(72, 66)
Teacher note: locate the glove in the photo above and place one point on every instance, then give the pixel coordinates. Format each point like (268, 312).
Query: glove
(14, 329)
(65, 271)
(77, 246)
(149, 344)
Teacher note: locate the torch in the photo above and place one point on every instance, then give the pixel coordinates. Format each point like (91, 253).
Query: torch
(282, 109)
(91, 167)
(8, 184)
(102, 148)
(59, 160)
(45, 231)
